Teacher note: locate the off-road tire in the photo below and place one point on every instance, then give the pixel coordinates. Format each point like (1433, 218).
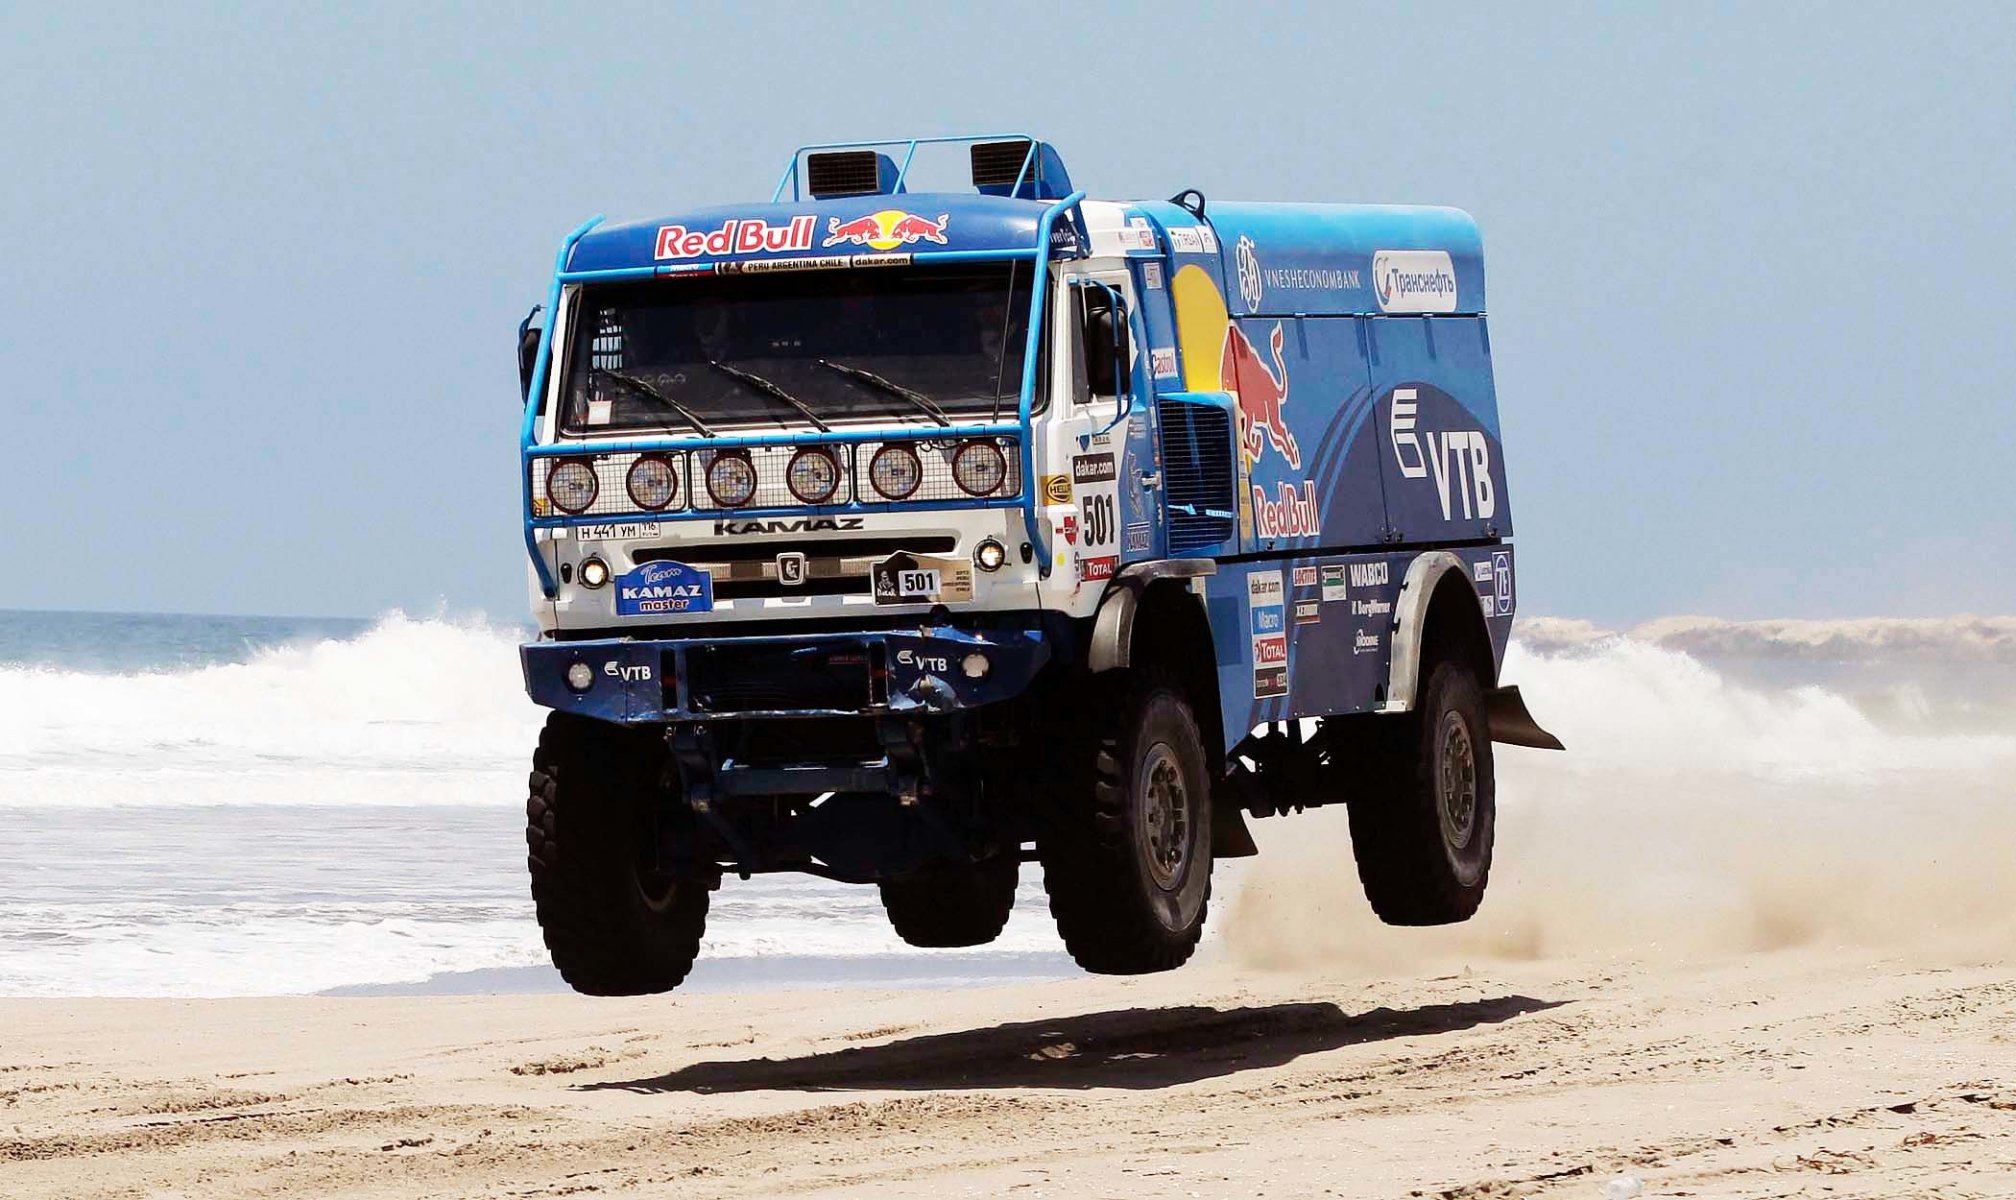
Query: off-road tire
(943, 907)
(1116, 916)
(614, 924)
(1424, 815)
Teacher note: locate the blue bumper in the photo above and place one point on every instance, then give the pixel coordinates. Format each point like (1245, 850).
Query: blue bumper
(882, 672)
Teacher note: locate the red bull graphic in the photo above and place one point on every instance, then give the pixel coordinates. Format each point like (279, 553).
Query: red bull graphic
(751, 236)
(1293, 515)
(886, 230)
(1262, 391)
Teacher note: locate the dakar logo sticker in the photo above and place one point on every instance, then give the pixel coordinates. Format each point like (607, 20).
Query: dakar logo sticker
(886, 230)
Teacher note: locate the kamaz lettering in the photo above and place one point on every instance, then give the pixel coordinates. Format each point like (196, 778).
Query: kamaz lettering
(945, 538)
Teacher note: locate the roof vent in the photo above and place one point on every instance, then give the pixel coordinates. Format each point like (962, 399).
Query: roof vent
(849, 173)
(999, 164)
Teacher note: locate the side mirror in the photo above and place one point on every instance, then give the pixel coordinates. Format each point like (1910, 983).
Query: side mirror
(528, 351)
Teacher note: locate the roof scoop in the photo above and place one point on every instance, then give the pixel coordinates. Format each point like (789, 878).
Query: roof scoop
(849, 173)
(1018, 167)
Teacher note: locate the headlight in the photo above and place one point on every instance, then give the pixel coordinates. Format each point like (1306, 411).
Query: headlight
(813, 476)
(580, 676)
(652, 482)
(731, 480)
(594, 572)
(895, 471)
(978, 468)
(989, 555)
(571, 486)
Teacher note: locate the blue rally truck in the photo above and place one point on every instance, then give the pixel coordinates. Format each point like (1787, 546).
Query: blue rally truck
(903, 537)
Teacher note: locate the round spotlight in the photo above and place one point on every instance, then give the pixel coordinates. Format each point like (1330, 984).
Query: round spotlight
(989, 555)
(571, 485)
(594, 572)
(731, 479)
(814, 475)
(978, 468)
(580, 676)
(974, 665)
(652, 482)
(895, 471)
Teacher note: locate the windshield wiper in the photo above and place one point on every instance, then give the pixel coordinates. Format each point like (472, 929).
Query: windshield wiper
(890, 386)
(770, 389)
(649, 391)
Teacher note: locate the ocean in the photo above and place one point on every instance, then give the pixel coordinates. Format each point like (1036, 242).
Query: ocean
(207, 806)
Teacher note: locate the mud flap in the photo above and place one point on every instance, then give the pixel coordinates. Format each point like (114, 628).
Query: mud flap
(1229, 836)
(1512, 724)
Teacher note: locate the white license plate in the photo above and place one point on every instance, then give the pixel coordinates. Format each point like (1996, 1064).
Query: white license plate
(616, 533)
(917, 583)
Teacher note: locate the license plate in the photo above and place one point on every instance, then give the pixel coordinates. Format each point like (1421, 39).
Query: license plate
(616, 533)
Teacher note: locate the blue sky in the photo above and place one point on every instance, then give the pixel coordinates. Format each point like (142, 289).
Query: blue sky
(1750, 266)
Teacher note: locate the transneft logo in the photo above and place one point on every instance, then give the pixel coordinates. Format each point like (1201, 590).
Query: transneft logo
(1414, 281)
(751, 236)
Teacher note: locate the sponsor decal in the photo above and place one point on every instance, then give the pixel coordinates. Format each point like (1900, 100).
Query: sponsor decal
(1459, 459)
(1247, 262)
(1308, 612)
(1265, 605)
(1371, 608)
(1313, 279)
(663, 588)
(787, 525)
(886, 230)
(1371, 574)
(541, 507)
(1094, 468)
(1138, 539)
(1262, 391)
(1098, 567)
(1501, 571)
(1162, 361)
(1056, 489)
(913, 579)
(1414, 281)
(1305, 577)
(1071, 529)
(1184, 239)
(753, 235)
(925, 661)
(1151, 275)
(1334, 588)
(1289, 516)
(628, 674)
(1137, 235)
(1210, 239)
(1365, 642)
(1481, 570)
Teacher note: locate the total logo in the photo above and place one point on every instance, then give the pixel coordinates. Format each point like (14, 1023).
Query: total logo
(886, 230)
(751, 236)
(1459, 459)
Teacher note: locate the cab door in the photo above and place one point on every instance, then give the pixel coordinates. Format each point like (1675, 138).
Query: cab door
(1100, 472)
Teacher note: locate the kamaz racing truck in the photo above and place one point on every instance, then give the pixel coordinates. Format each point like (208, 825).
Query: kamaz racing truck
(905, 537)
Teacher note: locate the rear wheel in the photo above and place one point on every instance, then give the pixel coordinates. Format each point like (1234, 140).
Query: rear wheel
(966, 905)
(1129, 874)
(1423, 822)
(615, 922)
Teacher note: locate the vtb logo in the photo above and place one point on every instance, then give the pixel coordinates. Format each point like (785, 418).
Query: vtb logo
(1460, 459)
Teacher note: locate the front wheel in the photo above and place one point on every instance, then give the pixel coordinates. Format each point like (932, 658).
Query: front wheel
(1423, 824)
(616, 922)
(1129, 873)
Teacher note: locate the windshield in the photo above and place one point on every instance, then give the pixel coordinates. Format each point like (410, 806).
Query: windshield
(689, 356)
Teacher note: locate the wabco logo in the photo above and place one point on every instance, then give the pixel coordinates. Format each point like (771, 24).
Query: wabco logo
(886, 230)
(1414, 281)
(751, 236)
(792, 525)
(1459, 459)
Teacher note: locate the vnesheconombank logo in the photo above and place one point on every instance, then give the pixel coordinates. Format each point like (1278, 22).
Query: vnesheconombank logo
(1414, 281)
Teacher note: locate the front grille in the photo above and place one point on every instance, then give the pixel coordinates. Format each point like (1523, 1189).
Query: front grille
(731, 678)
(833, 566)
(1201, 488)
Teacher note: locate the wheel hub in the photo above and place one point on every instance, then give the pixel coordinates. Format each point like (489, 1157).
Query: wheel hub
(1164, 828)
(1456, 782)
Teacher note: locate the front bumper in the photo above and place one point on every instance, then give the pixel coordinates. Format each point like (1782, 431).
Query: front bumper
(882, 672)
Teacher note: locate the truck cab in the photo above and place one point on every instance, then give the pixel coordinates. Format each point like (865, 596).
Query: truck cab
(906, 537)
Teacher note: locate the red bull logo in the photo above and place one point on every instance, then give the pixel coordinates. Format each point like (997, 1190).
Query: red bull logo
(1292, 515)
(751, 236)
(886, 230)
(1262, 392)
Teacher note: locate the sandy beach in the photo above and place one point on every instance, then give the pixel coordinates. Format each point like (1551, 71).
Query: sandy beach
(1807, 1072)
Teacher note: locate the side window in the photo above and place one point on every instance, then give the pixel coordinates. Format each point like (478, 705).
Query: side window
(1104, 344)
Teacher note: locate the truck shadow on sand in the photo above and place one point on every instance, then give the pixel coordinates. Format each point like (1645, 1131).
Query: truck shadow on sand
(1125, 1048)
